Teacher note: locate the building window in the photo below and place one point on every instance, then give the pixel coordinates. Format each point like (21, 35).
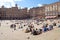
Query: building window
(50, 8)
(59, 8)
(54, 7)
(54, 13)
(46, 9)
(46, 14)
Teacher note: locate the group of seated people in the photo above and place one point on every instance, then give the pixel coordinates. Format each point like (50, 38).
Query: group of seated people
(13, 26)
(36, 31)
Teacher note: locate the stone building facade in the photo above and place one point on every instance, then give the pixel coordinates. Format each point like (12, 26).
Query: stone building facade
(52, 10)
(45, 11)
(37, 12)
(13, 13)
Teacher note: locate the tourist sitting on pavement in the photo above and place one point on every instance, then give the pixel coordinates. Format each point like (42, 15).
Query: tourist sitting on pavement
(0, 24)
(40, 31)
(59, 26)
(50, 27)
(45, 29)
(13, 26)
(27, 30)
(31, 25)
(54, 24)
(36, 32)
(45, 25)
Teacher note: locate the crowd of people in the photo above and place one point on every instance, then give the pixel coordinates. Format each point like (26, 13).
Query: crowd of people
(31, 27)
(45, 28)
(35, 31)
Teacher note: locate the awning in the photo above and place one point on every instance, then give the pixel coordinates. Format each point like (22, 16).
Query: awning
(50, 17)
